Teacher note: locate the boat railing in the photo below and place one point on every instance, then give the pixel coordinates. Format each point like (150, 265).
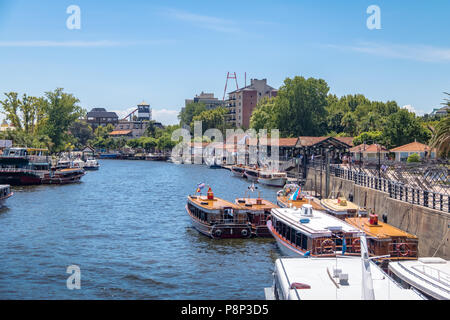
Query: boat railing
(21, 170)
(405, 249)
(438, 275)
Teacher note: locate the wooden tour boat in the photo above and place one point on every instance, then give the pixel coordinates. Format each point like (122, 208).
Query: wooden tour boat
(217, 218)
(5, 193)
(342, 208)
(63, 176)
(386, 240)
(258, 212)
(305, 232)
(292, 197)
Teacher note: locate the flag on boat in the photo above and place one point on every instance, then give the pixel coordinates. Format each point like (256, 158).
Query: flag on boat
(200, 187)
(296, 194)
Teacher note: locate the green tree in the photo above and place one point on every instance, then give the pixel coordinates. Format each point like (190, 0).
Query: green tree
(188, 113)
(211, 119)
(265, 115)
(369, 137)
(82, 132)
(441, 137)
(404, 127)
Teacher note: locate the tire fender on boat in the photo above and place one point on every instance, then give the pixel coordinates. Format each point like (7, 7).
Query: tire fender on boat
(244, 232)
(218, 233)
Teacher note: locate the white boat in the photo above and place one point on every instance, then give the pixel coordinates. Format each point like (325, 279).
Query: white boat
(78, 163)
(238, 171)
(305, 232)
(335, 279)
(252, 174)
(430, 276)
(91, 164)
(273, 179)
(5, 193)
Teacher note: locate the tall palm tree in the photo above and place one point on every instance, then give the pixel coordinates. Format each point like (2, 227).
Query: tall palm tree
(441, 137)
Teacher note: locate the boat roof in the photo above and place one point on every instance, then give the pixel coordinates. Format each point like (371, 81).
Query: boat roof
(316, 273)
(335, 205)
(215, 204)
(381, 230)
(319, 224)
(430, 275)
(299, 203)
(251, 204)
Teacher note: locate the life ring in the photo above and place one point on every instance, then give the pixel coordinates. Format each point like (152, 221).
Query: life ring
(327, 246)
(356, 245)
(244, 232)
(403, 249)
(218, 233)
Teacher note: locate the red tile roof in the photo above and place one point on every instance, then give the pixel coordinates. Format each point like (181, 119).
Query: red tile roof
(120, 133)
(412, 147)
(368, 148)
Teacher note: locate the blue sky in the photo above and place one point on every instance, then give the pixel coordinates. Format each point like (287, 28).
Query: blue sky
(167, 51)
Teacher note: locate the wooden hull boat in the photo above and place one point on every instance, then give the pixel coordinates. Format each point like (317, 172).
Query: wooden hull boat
(258, 213)
(384, 239)
(251, 174)
(5, 193)
(238, 171)
(273, 179)
(63, 176)
(217, 218)
(342, 208)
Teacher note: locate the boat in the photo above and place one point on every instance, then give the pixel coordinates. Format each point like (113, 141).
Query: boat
(78, 163)
(429, 275)
(291, 196)
(213, 163)
(63, 176)
(272, 179)
(386, 240)
(217, 218)
(91, 164)
(23, 166)
(238, 170)
(342, 208)
(252, 173)
(335, 279)
(305, 232)
(258, 211)
(156, 157)
(5, 193)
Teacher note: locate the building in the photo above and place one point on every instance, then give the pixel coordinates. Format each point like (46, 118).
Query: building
(403, 152)
(100, 117)
(242, 102)
(144, 113)
(5, 126)
(369, 152)
(207, 99)
(440, 112)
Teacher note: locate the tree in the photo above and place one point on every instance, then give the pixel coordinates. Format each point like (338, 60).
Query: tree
(82, 133)
(188, 113)
(61, 110)
(413, 158)
(441, 137)
(265, 115)
(211, 119)
(302, 104)
(404, 127)
(369, 137)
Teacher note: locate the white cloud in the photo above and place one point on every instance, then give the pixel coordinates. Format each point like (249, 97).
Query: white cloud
(208, 22)
(409, 108)
(423, 53)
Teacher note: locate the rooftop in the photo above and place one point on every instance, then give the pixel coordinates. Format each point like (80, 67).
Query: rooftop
(412, 147)
(381, 230)
(369, 148)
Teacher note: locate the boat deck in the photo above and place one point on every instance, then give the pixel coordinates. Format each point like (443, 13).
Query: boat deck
(318, 274)
(381, 230)
(299, 203)
(251, 204)
(334, 205)
(215, 204)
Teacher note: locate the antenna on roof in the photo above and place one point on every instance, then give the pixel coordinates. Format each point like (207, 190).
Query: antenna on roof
(230, 76)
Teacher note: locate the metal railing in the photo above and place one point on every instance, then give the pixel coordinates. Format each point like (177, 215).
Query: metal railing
(396, 190)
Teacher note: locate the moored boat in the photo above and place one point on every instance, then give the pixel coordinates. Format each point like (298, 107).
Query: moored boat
(252, 174)
(291, 196)
(217, 218)
(272, 179)
(63, 176)
(258, 212)
(342, 208)
(429, 275)
(386, 240)
(305, 232)
(23, 166)
(91, 164)
(335, 279)
(238, 170)
(5, 193)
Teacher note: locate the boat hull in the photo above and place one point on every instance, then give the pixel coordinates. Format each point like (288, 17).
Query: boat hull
(93, 168)
(19, 179)
(286, 248)
(278, 182)
(251, 177)
(220, 231)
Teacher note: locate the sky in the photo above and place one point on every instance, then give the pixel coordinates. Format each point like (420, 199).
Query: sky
(164, 52)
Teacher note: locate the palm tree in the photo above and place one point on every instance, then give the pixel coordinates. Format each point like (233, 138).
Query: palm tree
(441, 137)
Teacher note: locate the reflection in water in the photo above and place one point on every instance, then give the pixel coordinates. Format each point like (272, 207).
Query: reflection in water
(127, 229)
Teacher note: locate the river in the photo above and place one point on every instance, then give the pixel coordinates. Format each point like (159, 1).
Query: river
(126, 228)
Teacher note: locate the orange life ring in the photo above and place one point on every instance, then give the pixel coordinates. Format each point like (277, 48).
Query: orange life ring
(406, 250)
(327, 246)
